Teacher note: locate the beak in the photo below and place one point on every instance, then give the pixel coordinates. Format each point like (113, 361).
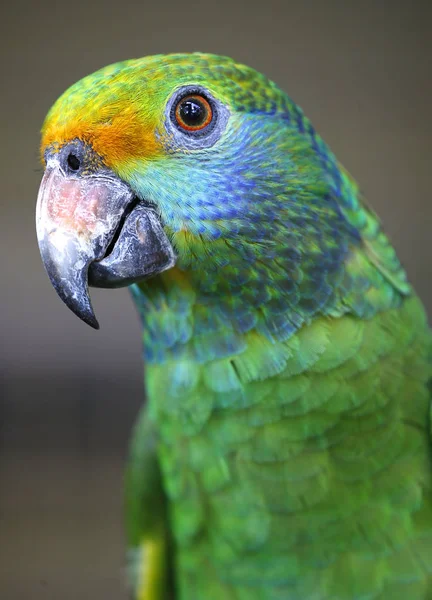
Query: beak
(92, 229)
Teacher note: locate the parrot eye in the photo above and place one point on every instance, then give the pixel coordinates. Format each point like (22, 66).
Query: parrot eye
(193, 113)
(195, 119)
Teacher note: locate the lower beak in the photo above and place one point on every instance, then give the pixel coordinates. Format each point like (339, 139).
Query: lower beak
(92, 229)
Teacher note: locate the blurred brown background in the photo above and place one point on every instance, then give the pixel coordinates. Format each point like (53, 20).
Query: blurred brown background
(362, 73)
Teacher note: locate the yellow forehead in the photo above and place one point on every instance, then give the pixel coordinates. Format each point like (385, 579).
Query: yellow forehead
(108, 110)
(116, 138)
(120, 109)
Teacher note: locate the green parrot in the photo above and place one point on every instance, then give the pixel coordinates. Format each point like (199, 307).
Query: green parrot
(284, 452)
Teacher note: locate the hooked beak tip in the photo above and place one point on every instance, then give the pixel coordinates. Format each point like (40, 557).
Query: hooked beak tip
(92, 321)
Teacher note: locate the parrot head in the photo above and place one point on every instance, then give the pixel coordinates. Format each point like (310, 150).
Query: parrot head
(193, 161)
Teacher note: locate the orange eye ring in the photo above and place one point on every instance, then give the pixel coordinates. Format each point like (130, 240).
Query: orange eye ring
(193, 112)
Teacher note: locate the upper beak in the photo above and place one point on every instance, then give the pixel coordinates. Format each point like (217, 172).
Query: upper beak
(93, 228)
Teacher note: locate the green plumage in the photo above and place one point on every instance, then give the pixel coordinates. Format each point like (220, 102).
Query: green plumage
(297, 466)
(285, 449)
(312, 482)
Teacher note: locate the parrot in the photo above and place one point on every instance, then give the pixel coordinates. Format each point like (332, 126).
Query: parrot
(284, 448)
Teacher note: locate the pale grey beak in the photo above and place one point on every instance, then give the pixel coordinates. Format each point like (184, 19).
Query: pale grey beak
(92, 228)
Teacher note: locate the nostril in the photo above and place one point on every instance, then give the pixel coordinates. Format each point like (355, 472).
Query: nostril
(73, 162)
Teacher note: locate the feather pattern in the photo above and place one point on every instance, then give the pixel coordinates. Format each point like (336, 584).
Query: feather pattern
(287, 356)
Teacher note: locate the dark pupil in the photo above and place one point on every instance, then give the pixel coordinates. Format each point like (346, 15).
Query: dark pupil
(73, 162)
(192, 112)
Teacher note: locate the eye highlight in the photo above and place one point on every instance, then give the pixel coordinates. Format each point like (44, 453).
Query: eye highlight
(193, 113)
